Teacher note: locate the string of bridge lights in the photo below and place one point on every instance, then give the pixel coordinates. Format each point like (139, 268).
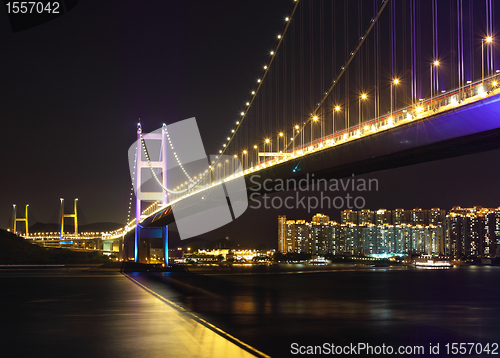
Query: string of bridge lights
(170, 191)
(249, 103)
(132, 188)
(175, 154)
(343, 69)
(243, 114)
(143, 144)
(260, 80)
(351, 57)
(197, 179)
(150, 207)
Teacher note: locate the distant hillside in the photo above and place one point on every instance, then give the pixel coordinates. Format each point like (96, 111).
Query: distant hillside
(101, 227)
(197, 243)
(15, 250)
(52, 227)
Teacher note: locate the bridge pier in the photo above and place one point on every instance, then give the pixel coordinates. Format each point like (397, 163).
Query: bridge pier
(152, 245)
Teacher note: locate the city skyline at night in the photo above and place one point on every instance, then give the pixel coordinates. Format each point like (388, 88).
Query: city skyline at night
(460, 233)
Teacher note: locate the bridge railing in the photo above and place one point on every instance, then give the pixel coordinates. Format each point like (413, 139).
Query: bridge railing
(53, 235)
(420, 110)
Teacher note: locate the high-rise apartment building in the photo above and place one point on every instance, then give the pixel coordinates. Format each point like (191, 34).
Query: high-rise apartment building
(349, 216)
(366, 217)
(436, 216)
(301, 236)
(282, 234)
(383, 217)
(471, 232)
(320, 218)
(418, 217)
(400, 216)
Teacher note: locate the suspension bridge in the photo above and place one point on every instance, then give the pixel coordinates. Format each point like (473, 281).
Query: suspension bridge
(334, 101)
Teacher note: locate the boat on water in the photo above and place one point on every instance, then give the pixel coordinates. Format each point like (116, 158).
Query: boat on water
(319, 260)
(433, 263)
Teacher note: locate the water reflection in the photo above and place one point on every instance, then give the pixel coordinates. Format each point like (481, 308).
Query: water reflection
(345, 303)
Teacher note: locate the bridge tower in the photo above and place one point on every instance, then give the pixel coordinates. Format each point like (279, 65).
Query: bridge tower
(144, 236)
(63, 216)
(16, 219)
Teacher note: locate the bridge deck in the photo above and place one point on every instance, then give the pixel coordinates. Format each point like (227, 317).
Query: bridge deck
(456, 131)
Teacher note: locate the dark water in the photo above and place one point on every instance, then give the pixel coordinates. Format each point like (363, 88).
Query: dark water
(276, 307)
(63, 314)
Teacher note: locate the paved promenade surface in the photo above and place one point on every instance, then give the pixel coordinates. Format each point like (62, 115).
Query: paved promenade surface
(77, 314)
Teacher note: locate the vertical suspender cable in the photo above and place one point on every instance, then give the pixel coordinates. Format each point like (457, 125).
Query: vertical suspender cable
(471, 33)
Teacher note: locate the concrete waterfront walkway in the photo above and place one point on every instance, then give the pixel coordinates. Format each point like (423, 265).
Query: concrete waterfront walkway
(78, 314)
(191, 336)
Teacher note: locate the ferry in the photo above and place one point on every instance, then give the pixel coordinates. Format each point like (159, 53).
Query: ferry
(433, 263)
(318, 261)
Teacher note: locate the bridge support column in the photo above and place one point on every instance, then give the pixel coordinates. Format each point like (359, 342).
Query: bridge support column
(74, 216)
(146, 240)
(16, 219)
(165, 239)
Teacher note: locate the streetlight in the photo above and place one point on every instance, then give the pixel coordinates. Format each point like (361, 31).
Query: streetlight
(363, 96)
(278, 140)
(488, 40)
(436, 64)
(244, 153)
(394, 82)
(266, 142)
(314, 119)
(296, 128)
(256, 154)
(336, 109)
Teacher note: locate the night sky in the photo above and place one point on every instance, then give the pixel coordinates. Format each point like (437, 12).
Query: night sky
(72, 90)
